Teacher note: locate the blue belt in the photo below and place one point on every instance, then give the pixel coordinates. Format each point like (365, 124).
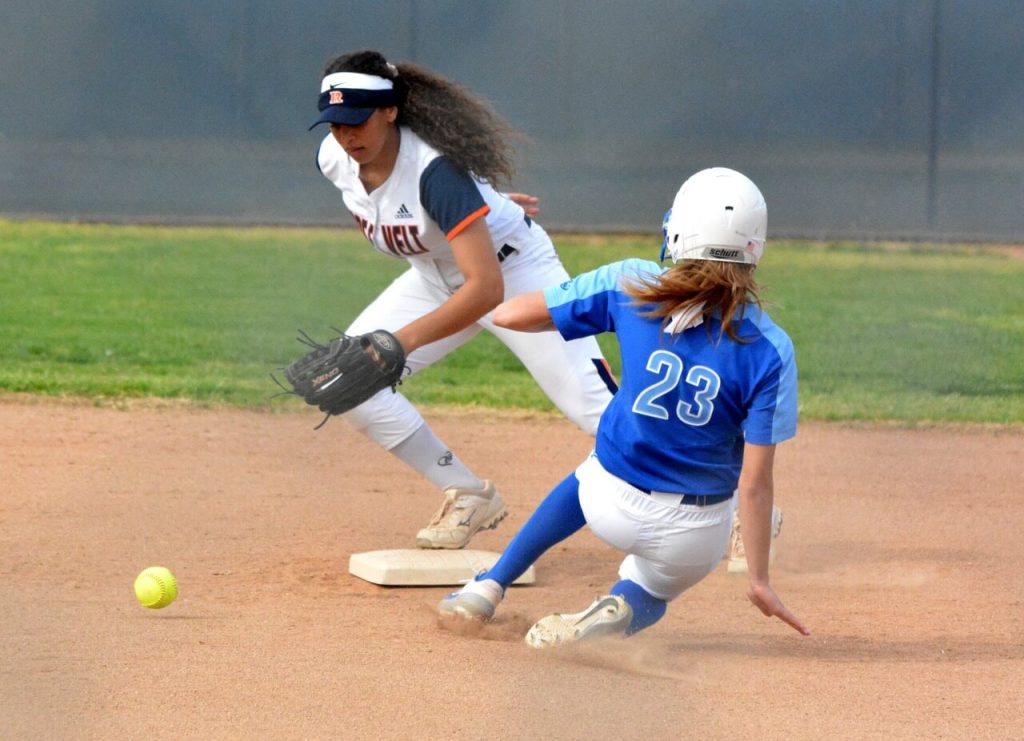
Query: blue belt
(700, 500)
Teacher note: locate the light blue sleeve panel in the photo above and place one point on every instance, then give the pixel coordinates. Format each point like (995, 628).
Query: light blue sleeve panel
(772, 416)
(587, 304)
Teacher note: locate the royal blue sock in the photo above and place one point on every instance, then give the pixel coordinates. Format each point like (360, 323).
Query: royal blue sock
(647, 609)
(554, 520)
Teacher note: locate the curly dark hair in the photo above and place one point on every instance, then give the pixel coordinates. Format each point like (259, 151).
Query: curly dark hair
(459, 124)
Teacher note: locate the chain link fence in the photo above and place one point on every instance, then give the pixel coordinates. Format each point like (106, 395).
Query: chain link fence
(858, 120)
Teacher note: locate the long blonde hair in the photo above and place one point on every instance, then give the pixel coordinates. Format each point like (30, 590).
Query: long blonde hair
(725, 287)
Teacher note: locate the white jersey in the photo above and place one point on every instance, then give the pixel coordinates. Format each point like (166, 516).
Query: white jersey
(426, 202)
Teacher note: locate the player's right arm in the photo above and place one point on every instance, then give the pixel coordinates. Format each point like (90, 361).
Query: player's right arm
(527, 312)
(580, 307)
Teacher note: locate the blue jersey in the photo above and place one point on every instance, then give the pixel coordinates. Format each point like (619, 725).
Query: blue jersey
(687, 401)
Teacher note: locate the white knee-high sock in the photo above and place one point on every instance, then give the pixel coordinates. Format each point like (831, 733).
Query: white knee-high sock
(425, 452)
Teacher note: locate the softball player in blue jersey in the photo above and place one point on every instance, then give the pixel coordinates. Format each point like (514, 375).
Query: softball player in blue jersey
(708, 389)
(415, 158)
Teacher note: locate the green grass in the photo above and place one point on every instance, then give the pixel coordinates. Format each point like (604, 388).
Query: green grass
(883, 332)
(906, 335)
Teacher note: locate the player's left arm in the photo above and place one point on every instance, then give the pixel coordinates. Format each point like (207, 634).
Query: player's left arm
(482, 290)
(771, 419)
(757, 493)
(527, 312)
(529, 204)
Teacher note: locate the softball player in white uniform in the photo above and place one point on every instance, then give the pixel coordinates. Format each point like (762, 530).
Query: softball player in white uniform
(708, 389)
(468, 247)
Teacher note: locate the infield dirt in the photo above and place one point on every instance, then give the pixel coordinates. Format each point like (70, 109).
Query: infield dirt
(901, 549)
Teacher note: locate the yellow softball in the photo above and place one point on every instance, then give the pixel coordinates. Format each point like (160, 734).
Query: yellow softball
(156, 587)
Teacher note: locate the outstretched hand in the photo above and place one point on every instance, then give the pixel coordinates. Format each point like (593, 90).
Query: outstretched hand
(764, 599)
(527, 202)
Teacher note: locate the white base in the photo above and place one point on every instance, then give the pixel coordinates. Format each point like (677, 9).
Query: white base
(413, 567)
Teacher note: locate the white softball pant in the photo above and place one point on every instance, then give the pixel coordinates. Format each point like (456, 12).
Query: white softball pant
(565, 371)
(671, 547)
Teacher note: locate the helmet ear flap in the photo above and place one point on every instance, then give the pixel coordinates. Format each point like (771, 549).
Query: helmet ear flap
(664, 235)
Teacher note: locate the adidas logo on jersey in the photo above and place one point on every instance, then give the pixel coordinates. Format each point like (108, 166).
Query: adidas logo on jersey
(403, 213)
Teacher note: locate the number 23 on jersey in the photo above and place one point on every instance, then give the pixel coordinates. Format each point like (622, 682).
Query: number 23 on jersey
(669, 369)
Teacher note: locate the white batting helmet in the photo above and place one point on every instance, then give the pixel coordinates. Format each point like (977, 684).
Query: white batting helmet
(718, 214)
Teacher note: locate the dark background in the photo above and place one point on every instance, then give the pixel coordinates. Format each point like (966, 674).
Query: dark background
(899, 119)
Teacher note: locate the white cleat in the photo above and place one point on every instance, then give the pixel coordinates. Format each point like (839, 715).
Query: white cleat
(737, 555)
(475, 601)
(607, 615)
(464, 513)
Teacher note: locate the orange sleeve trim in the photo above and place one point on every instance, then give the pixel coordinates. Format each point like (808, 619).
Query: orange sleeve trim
(460, 227)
